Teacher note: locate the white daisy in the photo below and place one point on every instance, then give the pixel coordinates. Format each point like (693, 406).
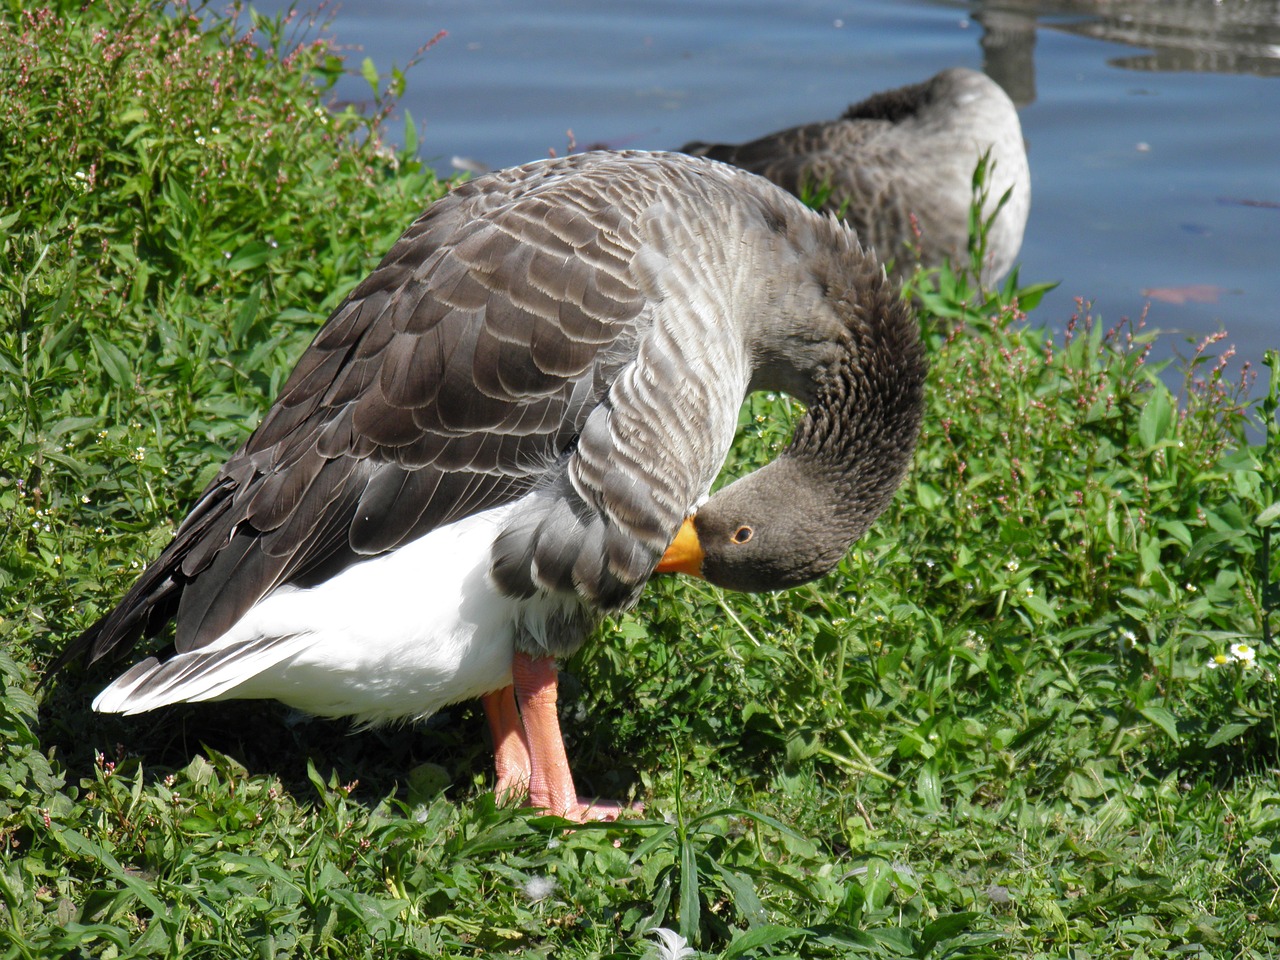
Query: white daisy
(1243, 653)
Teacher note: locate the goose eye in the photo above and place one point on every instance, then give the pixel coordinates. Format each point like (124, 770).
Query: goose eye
(743, 534)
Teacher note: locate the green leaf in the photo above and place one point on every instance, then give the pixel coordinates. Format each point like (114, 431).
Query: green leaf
(757, 937)
(928, 495)
(1208, 541)
(1163, 719)
(802, 745)
(113, 361)
(370, 73)
(745, 899)
(1226, 733)
(410, 135)
(877, 884)
(1029, 297)
(70, 424)
(1039, 606)
(737, 810)
(945, 927)
(85, 847)
(690, 903)
(659, 837)
(253, 254)
(75, 934)
(1156, 418)
(246, 316)
(1269, 515)
(1178, 530)
(929, 786)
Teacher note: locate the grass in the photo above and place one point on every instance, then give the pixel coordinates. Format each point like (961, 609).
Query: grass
(1032, 715)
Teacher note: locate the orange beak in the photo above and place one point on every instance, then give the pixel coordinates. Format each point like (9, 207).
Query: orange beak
(685, 553)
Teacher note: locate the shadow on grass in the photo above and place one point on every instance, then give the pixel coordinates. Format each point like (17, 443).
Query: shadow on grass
(272, 740)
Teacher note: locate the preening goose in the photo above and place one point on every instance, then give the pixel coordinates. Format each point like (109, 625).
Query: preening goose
(498, 435)
(903, 154)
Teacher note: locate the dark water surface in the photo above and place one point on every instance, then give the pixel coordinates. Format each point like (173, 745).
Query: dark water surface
(1153, 128)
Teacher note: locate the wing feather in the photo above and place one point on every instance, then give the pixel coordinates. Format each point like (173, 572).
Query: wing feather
(520, 338)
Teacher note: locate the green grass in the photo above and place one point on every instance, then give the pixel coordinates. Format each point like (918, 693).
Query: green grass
(1011, 725)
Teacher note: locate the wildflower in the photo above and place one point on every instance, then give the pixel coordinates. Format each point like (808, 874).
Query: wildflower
(673, 946)
(1243, 653)
(1012, 566)
(1218, 660)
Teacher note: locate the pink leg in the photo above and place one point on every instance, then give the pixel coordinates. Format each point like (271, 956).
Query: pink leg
(510, 752)
(551, 783)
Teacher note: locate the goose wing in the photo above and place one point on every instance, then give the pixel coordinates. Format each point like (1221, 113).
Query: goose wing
(798, 159)
(848, 164)
(458, 376)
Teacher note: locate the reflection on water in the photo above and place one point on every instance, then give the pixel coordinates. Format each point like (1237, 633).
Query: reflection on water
(1199, 36)
(1196, 35)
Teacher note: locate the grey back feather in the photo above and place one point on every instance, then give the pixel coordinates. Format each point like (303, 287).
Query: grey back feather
(577, 332)
(903, 160)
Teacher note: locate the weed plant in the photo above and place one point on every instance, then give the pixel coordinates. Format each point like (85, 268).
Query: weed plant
(1033, 714)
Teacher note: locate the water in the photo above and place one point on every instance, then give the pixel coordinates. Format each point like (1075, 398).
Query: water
(1153, 128)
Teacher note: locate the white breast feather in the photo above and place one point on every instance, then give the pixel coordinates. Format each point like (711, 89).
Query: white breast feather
(395, 637)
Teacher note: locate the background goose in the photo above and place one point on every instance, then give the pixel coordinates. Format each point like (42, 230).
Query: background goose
(901, 154)
(495, 438)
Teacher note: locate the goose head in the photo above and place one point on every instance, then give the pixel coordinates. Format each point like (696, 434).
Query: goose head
(792, 520)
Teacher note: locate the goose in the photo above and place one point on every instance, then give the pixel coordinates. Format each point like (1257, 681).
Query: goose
(507, 428)
(904, 159)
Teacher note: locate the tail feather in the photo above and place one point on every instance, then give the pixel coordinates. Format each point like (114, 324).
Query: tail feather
(203, 674)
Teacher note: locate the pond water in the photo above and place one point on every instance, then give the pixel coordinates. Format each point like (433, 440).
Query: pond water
(1153, 128)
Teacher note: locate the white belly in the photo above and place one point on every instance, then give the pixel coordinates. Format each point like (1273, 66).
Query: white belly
(397, 636)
